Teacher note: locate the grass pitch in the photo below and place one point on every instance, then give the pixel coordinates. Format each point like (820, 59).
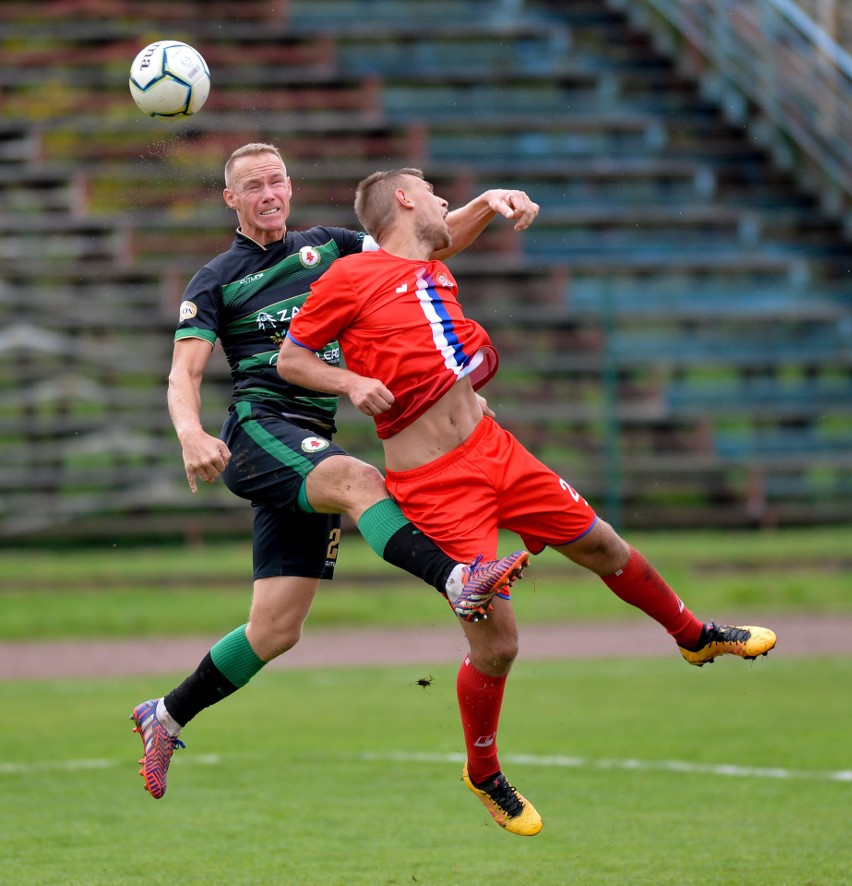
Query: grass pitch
(119, 591)
(646, 772)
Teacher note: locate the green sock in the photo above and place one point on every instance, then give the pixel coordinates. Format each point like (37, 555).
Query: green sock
(380, 522)
(399, 542)
(235, 658)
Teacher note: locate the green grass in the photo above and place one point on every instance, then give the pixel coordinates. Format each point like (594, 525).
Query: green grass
(122, 591)
(349, 778)
(117, 592)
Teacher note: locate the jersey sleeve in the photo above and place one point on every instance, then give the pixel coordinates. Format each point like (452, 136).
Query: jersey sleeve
(199, 310)
(352, 242)
(331, 306)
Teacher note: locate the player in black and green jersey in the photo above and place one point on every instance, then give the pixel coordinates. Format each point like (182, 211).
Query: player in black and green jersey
(275, 448)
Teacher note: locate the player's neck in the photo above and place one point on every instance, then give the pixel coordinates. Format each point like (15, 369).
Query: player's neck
(405, 245)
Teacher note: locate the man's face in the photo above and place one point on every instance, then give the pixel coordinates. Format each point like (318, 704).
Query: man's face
(260, 192)
(431, 225)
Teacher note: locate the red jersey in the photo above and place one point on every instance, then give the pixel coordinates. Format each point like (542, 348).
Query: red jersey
(397, 320)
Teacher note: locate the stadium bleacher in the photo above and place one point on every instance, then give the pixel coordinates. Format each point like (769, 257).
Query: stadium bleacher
(679, 290)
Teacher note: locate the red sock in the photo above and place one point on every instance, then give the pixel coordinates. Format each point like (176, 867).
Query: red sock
(480, 700)
(639, 584)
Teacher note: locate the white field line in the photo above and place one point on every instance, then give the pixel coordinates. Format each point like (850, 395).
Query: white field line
(76, 765)
(680, 766)
(549, 762)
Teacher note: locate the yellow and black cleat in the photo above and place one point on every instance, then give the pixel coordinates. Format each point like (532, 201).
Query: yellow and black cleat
(747, 642)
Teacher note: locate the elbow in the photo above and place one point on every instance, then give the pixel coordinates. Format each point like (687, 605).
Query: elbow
(281, 365)
(179, 379)
(285, 364)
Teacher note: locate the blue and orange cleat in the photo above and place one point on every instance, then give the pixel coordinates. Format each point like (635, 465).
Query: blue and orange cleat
(159, 746)
(483, 580)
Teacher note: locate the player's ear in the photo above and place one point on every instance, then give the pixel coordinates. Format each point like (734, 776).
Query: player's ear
(402, 197)
(228, 197)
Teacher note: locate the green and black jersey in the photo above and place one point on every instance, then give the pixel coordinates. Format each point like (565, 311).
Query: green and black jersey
(246, 298)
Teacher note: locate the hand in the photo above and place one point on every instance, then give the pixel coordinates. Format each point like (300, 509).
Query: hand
(370, 396)
(513, 205)
(205, 457)
(486, 409)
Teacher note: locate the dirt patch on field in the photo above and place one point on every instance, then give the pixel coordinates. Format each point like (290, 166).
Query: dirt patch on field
(797, 636)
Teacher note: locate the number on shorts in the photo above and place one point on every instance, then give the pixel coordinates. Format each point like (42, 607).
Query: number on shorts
(333, 544)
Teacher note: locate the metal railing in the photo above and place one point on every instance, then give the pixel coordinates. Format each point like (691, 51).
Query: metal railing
(784, 58)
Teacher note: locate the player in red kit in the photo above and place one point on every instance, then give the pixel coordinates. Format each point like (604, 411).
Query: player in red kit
(414, 364)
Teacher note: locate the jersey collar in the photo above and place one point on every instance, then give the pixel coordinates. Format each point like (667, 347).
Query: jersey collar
(245, 239)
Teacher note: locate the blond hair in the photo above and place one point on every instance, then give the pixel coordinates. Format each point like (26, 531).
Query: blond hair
(249, 150)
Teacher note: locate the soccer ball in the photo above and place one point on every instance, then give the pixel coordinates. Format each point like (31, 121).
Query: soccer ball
(169, 79)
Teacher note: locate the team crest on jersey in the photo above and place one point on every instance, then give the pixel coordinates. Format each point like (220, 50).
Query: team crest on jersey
(314, 444)
(188, 310)
(309, 256)
(445, 281)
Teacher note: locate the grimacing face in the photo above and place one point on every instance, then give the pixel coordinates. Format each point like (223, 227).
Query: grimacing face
(260, 192)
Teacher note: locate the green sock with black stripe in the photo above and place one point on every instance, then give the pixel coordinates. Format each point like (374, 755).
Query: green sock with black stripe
(399, 542)
(235, 658)
(227, 667)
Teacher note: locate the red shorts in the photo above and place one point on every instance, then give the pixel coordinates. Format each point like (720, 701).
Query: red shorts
(489, 483)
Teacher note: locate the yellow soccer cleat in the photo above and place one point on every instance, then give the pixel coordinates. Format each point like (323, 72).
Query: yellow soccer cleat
(746, 642)
(508, 808)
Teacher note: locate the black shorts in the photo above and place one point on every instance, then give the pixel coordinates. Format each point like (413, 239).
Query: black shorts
(271, 456)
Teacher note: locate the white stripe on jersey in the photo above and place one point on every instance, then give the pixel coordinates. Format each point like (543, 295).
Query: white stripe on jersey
(443, 345)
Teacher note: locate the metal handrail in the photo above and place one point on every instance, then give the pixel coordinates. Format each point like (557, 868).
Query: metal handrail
(773, 54)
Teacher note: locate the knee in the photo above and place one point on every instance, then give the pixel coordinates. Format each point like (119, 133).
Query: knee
(270, 638)
(367, 482)
(344, 483)
(496, 657)
(362, 487)
(612, 550)
(602, 550)
(504, 655)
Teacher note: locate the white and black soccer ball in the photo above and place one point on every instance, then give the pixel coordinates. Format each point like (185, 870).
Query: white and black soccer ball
(169, 79)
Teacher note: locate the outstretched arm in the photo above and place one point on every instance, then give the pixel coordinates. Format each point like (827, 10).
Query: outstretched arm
(301, 366)
(467, 222)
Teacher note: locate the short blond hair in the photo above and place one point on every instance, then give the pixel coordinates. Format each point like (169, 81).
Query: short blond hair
(249, 150)
(374, 199)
